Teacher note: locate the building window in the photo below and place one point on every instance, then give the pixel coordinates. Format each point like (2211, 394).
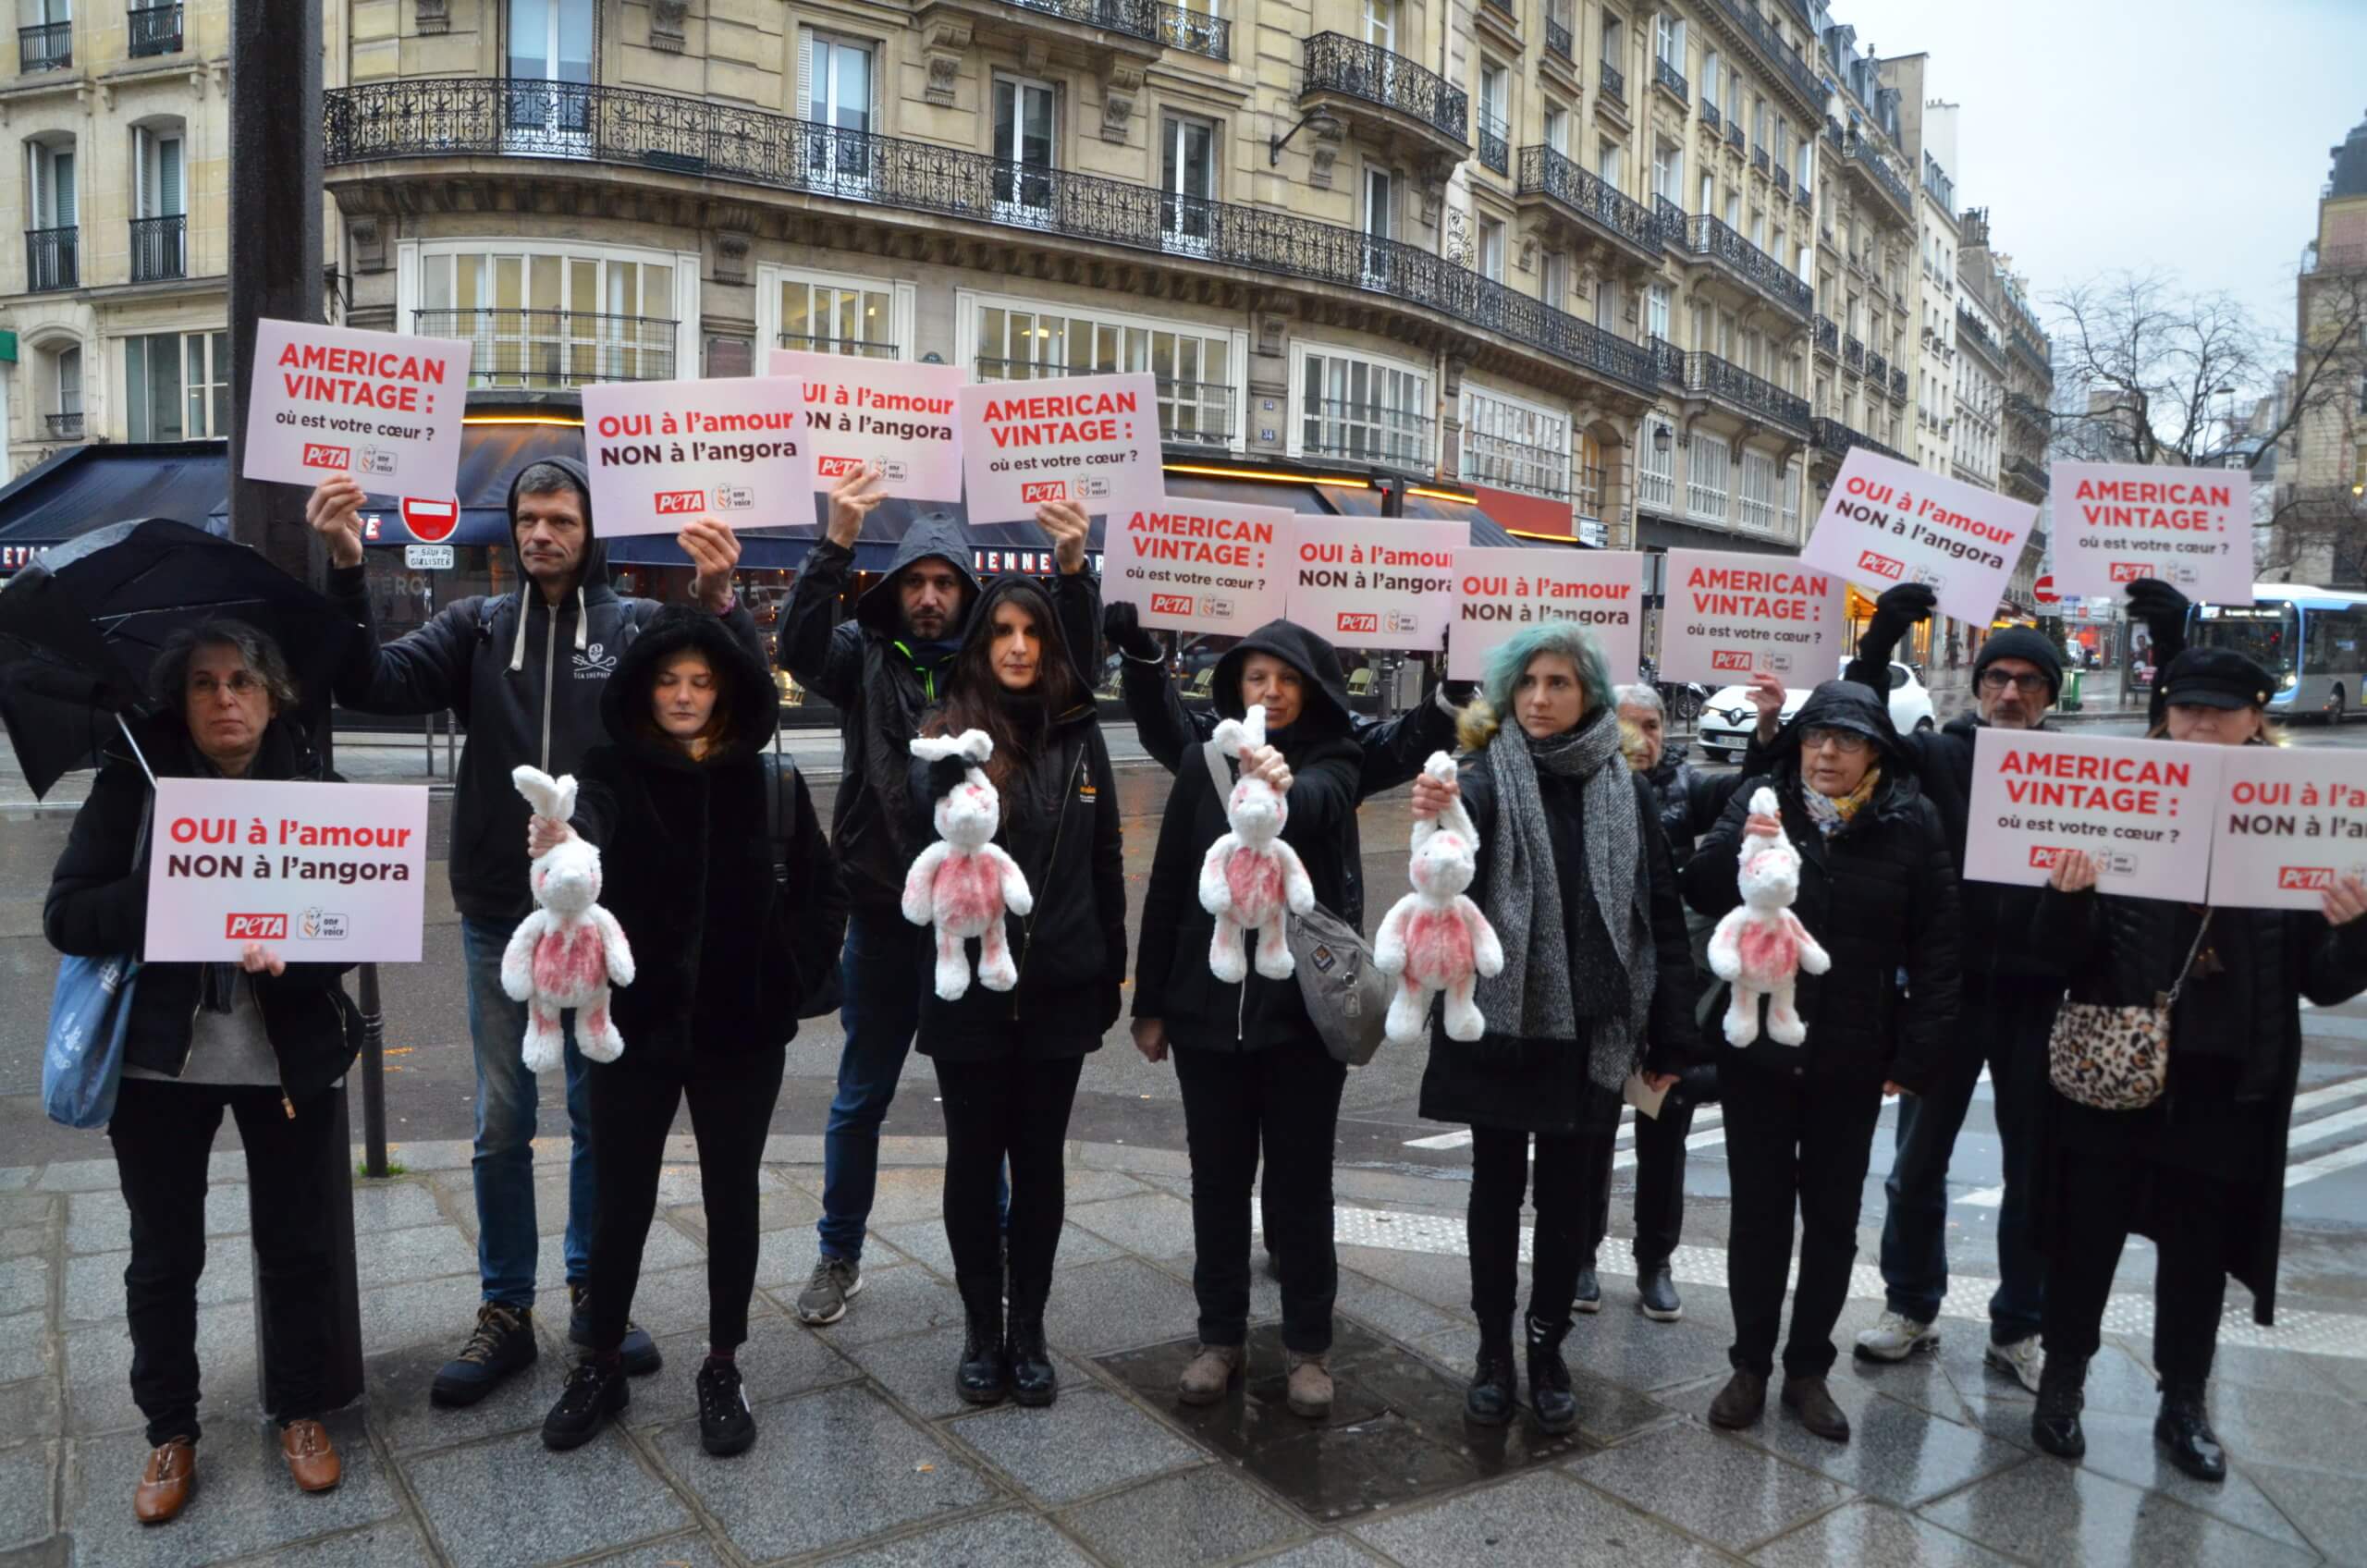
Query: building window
(1491, 250)
(1018, 340)
(833, 318)
(64, 413)
(1557, 129)
(1381, 23)
(1515, 445)
(1023, 152)
(550, 52)
(1709, 69)
(1656, 310)
(1655, 469)
(1708, 194)
(1188, 183)
(1493, 97)
(552, 318)
(1668, 172)
(1757, 490)
(1553, 281)
(1363, 411)
(1671, 37)
(1707, 461)
(1611, 166)
(177, 386)
(1791, 522)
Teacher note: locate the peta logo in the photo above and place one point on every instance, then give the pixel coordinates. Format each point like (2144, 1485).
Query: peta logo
(1171, 604)
(673, 501)
(593, 663)
(1360, 620)
(2043, 856)
(1042, 490)
(254, 928)
(2130, 572)
(320, 454)
(835, 467)
(2308, 878)
(1880, 566)
(1730, 658)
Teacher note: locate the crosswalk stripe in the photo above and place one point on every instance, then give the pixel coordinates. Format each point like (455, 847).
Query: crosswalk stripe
(1461, 1137)
(2325, 1165)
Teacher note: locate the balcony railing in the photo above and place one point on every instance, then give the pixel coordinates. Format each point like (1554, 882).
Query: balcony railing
(53, 259)
(1804, 196)
(1495, 150)
(516, 348)
(1193, 31)
(46, 47)
(1667, 76)
(159, 248)
(1557, 37)
(1897, 385)
(1828, 336)
(2035, 357)
(1336, 62)
(2025, 410)
(1782, 181)
(1614, 83)
(1191, 413)
(1544, 172)
(1761, 162)
(1733, 135)
(1968, 325)
(1853, 352)
(1516, 465)
(1877, 368)
(1708, 375)
(1708, 112)
(1834, 440)
(1862, 154)
(2015, 466)
(1350, 431)
(65, 427)
(153, 30)
(1710, 236)
(856, 347)
(1786, 61)
(469, 117)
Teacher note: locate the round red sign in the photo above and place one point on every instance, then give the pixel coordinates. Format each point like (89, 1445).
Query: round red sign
(431, 523)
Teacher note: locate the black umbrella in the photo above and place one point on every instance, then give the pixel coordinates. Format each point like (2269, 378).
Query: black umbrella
(80, 625)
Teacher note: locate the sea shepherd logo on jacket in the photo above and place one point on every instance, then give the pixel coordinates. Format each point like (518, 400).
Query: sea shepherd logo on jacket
(594, 664)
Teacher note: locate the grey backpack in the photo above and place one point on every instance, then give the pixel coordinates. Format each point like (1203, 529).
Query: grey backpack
(1346, 994)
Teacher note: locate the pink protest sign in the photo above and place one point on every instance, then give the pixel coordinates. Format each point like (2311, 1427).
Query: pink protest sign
(382, 408)
(1500, 592)
(1888, 522)
(664, 453)
(1727, 613)
(1374, 582)
(1088, 440)
(1197, 566)
(899, 417)
(2117, 522)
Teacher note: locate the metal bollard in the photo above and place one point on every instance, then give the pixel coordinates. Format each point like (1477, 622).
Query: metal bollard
(373, 1075)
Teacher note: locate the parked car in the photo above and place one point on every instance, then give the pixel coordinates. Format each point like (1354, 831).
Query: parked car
(1728, 717)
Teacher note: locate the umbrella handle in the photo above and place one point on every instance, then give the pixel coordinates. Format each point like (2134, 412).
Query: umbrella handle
(137, 753)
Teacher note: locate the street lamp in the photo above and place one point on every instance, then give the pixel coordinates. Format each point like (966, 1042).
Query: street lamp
(1661, 439)
(1322, 119)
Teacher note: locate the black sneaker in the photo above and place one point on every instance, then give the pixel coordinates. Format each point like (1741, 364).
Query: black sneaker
(726, 1425)
(503, 1342)
(1589, 1296)
(639, 1352)
(592, 1394)
(1656, 1295)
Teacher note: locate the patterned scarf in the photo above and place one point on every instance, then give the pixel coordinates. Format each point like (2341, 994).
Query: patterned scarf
(1831, 813)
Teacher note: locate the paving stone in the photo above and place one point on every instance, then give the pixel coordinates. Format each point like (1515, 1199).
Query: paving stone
(391, 1543)
(2123, 1448)
(1895, 1452)
(1204, 1516)
(440, 1311)
(2309, 1431)
(98, 1372)
(1537, 1518)
(1090, 1440)
(511, 1501)
(2330, 1510)
(882, 1472)
(2044, 1511)
(26, 1208)
(1324, 1551)
(775, 1210)
(1443, 1281)
(1871, 1532)
(780, 1358)
(28, 1483)
(94, 1282)
(1150, 1223)
(1636, 1353)
(674, 1551)
(1718, 1489)
(1008, 1537)
(2252, 1367)
(407, 1422)
(20, 1359)
(1393, 1311)
(918, 1370)
(665, 1248)
(244, 1503)
(924, 1241)
(23, 1241)
(418, 1252)
(393, 1206)
(78, 1176)
(16, 1178)
(669, 1301)
(30, 1409)
(1107, 1306)
(912, 1193)
(24, 1285)
(24, 1328)
(895, 1301)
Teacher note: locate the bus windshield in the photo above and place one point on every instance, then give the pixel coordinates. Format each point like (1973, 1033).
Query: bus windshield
(2265, 634)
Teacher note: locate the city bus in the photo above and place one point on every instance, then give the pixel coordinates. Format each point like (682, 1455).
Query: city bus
(2313, 640)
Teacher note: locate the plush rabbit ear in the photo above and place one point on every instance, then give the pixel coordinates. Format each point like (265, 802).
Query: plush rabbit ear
(973, 746)
(544, 793)
(1454, 818)
(1762, 802)
(1252, 724)
(1231, 736)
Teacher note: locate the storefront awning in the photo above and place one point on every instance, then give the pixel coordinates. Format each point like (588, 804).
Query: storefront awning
(87, 487)
(1660, 533)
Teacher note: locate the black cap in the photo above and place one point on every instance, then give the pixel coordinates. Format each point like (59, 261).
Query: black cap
(2021, 642)
(2216, 678)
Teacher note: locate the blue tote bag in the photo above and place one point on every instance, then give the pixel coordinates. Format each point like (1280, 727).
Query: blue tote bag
(83, 1063)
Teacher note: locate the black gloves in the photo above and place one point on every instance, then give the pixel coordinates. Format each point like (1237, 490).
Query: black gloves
(2163, 609)
(1895, 612)
(1123, 627)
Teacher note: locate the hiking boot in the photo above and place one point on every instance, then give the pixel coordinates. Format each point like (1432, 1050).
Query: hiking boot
(1308, 1392)
(1491, 1395)
(2023, 1361)
(2183, 1428)
(1656, 1294)
(166, 1481)
(1894, 1337)
(834, 1282)
(1811, 1399)
(502, 1342)
(1548, 1378)
(592, 1394)
(639, 1352)
(1589, 1295)
(2054, 1424)
(1034, 1380)
(1210, 1372)
(984, 1376)
(1740, 1402)
(311, 1458)
(726, 1425)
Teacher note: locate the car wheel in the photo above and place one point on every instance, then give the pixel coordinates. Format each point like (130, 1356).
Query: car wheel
(2335, 713)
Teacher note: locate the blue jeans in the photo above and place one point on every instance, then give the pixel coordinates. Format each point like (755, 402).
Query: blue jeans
(882, 972)
(2005, 1029)
(504, 1165)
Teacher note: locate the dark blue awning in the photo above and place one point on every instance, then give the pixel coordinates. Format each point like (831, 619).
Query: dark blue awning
(87, 487)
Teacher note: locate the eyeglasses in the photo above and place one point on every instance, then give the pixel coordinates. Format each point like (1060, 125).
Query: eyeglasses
(241, 682)
(1997, 680)
(1848, 742)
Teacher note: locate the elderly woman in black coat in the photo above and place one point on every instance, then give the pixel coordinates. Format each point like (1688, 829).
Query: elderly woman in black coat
(2199, 1169)
(1878, 893)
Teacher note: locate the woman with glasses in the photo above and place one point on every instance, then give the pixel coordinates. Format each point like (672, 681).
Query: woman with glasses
(1878, 891)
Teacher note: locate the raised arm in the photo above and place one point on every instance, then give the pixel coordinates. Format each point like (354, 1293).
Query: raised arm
(1167, 729)
(1395, 749)
(826, 657)
(424, 672)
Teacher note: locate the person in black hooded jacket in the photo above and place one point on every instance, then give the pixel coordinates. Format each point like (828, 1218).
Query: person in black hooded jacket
(1878, 893)
(676, 803)
(1252, 1068)
(1007, 1061)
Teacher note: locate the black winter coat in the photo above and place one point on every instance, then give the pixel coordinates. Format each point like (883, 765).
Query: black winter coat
(1880, 897)
(722, 952)
(1171, 977)
(1542, 1085)
(98, 907)
(1689, 802)
(2124, 952)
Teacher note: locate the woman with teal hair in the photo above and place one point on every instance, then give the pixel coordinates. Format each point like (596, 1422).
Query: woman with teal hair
(1598, 984)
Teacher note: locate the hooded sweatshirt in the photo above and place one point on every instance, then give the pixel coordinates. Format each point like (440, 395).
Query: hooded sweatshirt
(526, 678)
(882, 680)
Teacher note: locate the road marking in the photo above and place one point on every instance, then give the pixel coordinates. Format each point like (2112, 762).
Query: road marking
(1706, 1115)
(2325, 1165)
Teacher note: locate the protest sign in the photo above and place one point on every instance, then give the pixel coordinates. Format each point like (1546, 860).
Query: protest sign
(1197, 566)
(1499, 592)
(899, 416)
(2142, 809)
(2117, 522)
(319, 873)
(1374, 582)
(1727, 613)
(1091, 439)
(664, 453)
(2290, 823)
(335, 399)
(1888, 522)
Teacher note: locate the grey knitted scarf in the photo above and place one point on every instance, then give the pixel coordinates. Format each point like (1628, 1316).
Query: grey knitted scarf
(1532, 998)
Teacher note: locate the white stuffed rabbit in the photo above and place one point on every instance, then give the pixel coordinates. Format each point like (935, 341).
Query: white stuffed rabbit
(568, 952)
(1249, 875)
(1434, 939)
(964, 882)
(1760, 944)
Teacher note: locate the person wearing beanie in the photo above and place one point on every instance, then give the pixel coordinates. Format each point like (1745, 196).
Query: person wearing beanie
(2025, 646)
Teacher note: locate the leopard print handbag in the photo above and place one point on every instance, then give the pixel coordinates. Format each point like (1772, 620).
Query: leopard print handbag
(2116, 1058)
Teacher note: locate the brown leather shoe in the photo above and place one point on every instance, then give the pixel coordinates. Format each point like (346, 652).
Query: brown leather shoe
(1809, 1399)
(166, 1481)
(1210, 1372)
(1740, 1402)
(1309, 1389)
(312, 1459)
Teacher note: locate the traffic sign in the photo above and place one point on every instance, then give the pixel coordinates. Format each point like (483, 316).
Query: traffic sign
(2043, 591)
(427, 558)
(431, 521)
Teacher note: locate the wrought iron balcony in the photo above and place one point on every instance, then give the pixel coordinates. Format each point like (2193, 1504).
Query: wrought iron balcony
(1828, 336)
(2033, 355)
(1709, 113)
(1734, 134)
(1154, 21)
(1804, 196)
(2014, 465)
(1614, 83)
(1668, 77)
(1853, 352)
(856, 347)
(1783, 181)
(1366, 432)
(1761, 162)
(53, 259)
(1897, 385)
(1495, 150)
(1877, 368)
(513, 348)
(1863, 158)
(1833, 439)
(1711, 237)
(1191, 413)
(2025, 410)
(1743, 15)
(1710, 376)
(1516, 465)
(1567, 183)
(65, 427)
(475, 116)
(1668, 218)
(46, 47)
(1336, 62)
(1970, 329)
(159, 248)
(1668, 362)
(153, 30)
(1557, 37)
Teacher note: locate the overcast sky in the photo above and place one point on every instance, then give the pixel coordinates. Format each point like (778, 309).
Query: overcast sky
(2105, 134)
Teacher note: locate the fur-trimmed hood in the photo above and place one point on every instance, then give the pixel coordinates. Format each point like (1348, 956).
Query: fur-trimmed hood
(745, 688)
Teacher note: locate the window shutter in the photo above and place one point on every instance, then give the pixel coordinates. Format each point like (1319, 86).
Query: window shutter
(806, 108)
(61, 169)
(168, 177)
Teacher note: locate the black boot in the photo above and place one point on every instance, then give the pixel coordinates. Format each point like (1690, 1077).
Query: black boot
(2184, 1428)
(984, 1376)
(2054, 1424)
(1548, 1378)
(1492, 1393)
(1033, 1381)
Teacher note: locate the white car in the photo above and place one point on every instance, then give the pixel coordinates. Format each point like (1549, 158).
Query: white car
(1728, 717)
